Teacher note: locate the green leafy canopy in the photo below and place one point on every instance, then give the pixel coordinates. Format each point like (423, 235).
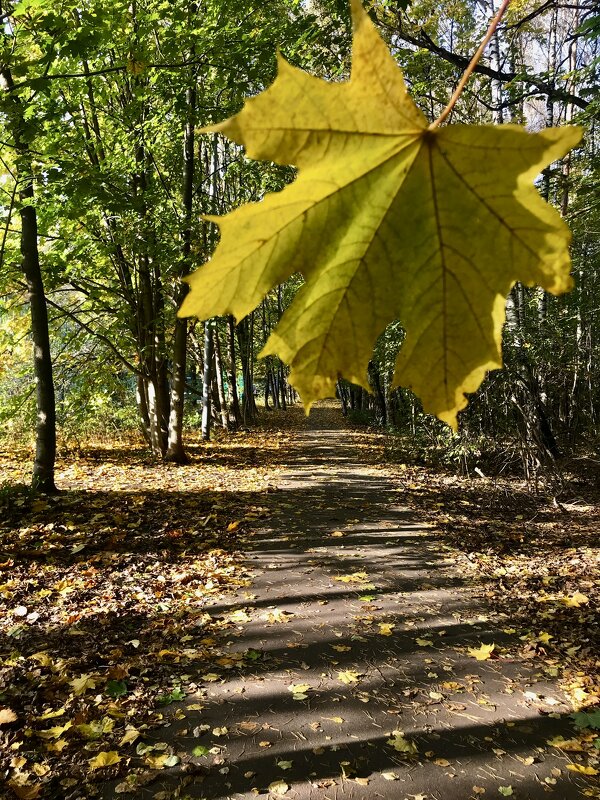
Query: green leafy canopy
(389, 218)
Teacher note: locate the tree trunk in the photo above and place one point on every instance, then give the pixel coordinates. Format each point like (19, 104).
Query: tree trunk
(219, 377)
(282, 386)
(380, 406)
(232, 374)
(45, 438)
(175, 449)
(244, 330)
(206, 399)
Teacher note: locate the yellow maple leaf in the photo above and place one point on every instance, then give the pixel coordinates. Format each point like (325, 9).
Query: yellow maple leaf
(42, 658)
(57, 747)
(299, 688)
(83, 683)
(96, 728)
(568, 745)
(483, 652)
(354, 577)
(279, 788)
(348, 676)
(104, 759)
(389, 218)
(130, 735)
(582, 769)
(55, 732)
(386, 628)
(575, 600)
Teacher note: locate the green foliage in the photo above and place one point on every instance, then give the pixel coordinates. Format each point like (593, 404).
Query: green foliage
(587, 719)
(429, 225)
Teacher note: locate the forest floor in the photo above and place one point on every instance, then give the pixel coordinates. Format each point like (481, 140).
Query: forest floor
(292, 614)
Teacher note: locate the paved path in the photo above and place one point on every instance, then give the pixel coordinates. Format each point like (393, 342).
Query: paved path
(362, 685)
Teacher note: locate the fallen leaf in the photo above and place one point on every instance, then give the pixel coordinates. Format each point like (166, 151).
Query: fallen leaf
(402, 745)
(506, 791)
(7, 715)
(23, 791)
(568, 745)
(483, 652)
(424, 642)
(96, 729)
(576, 600)
(161, 761)
(105, 759)
(386, 628)
(55, 732)
(527, 760)
(299, 688)
(278, 788)
(277, 615)
(83, 683)
(587, 719)
(59, 712)
(130, 735)
(349, 676)
(353, 577)
(582, 769)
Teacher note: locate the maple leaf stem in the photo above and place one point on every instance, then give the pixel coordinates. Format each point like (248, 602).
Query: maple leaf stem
(472, 64)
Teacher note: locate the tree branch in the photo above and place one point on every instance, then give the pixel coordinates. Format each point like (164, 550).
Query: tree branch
(104, 71)
(97, 335)
(424, 41)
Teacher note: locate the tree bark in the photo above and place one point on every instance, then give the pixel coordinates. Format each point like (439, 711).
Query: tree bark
(219, 376)
(207, 380)
(232, 374)
(175, 450)
(244, 331)
(45, 439)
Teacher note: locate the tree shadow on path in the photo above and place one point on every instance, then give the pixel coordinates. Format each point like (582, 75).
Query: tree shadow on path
(361, 682)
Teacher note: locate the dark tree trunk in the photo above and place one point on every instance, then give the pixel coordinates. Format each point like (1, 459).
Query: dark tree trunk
(175, 449)
(232, 375)
(45, 439)
(282, 386)
(219, 378)
(207, 381)
(244, 330)
(380, 404)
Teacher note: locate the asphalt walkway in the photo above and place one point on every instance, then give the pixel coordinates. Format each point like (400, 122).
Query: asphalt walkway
(364, 680)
